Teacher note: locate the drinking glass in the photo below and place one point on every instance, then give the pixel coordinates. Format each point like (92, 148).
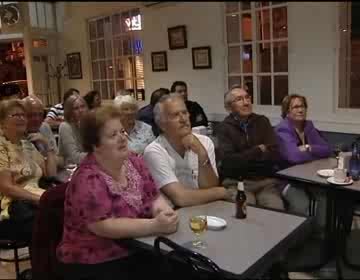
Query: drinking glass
(198, 225)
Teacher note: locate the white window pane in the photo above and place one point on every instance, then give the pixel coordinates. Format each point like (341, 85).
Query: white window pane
(49, 16)
(234, 60)
(247, 58)
(281, 88)
(264, 88)
(246, 29)
(263, 25)
(33, 14)
(263, 57)
(280, 56)
(40, 7)
(232, 29)
(279, 22)
(234, 80)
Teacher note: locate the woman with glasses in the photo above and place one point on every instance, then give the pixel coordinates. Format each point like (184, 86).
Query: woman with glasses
(21, 167)
(298, 138)
(70, 147)
(300, 142)
(111, 197)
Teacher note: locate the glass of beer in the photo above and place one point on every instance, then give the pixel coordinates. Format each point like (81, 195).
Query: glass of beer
(198, 225)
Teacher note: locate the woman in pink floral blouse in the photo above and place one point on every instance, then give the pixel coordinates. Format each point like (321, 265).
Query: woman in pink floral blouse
(111, 196)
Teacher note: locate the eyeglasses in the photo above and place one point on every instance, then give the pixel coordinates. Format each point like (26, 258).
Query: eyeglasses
(242, 99)
(298, 107)
(121, 132)
(17, 116)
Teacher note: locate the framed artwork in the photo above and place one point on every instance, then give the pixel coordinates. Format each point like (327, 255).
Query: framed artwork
(159, 61)
(177, 37)
(73, 61)
(201, 58)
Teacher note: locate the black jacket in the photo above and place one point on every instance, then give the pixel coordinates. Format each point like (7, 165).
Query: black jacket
(197, 114)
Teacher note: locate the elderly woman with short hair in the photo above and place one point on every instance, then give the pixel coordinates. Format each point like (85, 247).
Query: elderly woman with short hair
(70, 147)
(111, 197)
(140, 133)
(21, 167)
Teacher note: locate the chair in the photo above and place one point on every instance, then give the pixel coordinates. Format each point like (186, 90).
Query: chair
(47, 233)
(15, 246)
(183, 263)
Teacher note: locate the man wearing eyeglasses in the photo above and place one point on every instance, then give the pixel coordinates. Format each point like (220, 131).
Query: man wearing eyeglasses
(248, 149)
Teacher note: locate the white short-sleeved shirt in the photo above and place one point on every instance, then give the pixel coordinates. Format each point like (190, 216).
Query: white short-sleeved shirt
(167, 166)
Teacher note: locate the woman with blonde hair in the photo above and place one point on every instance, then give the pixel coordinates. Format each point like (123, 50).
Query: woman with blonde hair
(70, 147)
(21, 167)
(140, 133)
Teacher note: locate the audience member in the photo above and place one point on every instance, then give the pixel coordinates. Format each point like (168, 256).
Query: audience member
(122, 92)
(182, 163)
(10, 91)
(140, 134)
(112, 196)
(93, 99)
(55, 116)
(248, 149)
(300, 142)
(21, 167)
(146, 113)
(197, 114)
(70, 147)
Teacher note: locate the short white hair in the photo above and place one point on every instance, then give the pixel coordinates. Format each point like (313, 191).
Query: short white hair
(124, 99)
(158, 108)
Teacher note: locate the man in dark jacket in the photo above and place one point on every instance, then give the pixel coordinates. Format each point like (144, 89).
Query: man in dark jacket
(197, 114)
(248, 149)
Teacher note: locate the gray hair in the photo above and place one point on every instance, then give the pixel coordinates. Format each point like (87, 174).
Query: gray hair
(124, 99)
(228, 97)
(158, 108)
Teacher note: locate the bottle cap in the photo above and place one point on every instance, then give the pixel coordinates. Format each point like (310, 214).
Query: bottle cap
(240, 186)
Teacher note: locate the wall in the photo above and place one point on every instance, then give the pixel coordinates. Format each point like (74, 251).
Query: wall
(204, 28)
(313, 55)
(74, 36)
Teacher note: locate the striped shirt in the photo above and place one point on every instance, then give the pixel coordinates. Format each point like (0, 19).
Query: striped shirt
(56, 112)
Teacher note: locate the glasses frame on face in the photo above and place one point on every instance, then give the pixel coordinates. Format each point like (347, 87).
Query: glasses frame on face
(298, 107)
(241, 99)
(18, 116)
(122, 132)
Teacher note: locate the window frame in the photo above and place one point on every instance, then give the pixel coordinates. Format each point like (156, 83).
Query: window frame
(132, 34)
(255, 73)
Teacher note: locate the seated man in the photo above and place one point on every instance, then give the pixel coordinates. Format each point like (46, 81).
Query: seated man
(146, 113)
(181, 163)
(248, 149)
(38, 128)
(55, 116)
(197, 114)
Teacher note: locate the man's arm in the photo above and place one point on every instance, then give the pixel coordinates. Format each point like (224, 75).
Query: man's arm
(270, 144)
(160, 168)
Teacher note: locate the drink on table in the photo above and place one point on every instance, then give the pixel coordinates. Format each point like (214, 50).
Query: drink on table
(240, 201)
(198, 225)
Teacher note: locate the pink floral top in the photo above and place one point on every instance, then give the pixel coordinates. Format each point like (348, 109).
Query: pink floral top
(91, 196)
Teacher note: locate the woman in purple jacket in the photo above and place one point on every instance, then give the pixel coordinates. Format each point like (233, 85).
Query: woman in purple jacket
(299, 140)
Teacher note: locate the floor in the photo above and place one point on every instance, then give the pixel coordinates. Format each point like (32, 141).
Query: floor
(7, 270)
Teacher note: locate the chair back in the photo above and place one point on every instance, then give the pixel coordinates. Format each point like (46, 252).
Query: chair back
(47, 233)
(183, 263)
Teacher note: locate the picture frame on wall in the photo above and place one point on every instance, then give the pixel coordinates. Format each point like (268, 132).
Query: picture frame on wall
(177, 37)
(73, 61)
(201, 57)
(159, 61)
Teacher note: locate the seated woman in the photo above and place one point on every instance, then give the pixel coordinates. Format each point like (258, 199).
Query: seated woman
(300, 142)
(70, 147)
(112, 196)
(21, 167)
(140, 133)
(93, 99)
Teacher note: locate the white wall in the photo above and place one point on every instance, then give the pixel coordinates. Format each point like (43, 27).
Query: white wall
(204, 25)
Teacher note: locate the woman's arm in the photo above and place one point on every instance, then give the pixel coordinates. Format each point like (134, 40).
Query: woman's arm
(117, 228)
(9, 188)
(160, 204)
(70, 147)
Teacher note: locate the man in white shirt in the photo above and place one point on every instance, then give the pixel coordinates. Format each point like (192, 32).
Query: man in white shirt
(182, 163)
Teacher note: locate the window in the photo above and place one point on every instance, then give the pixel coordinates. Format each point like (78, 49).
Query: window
(349, 59)
(116, 51)
(42, 15)
(257, 42)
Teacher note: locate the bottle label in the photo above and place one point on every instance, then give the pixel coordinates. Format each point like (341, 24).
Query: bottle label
(244, 208)
(240, 186)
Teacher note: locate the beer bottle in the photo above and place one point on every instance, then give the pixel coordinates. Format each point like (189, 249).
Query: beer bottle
(240, 201)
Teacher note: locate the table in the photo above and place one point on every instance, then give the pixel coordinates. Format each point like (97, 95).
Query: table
(340, 201)
(245, 248)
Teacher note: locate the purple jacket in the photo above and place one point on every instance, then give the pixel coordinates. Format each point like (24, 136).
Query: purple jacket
(289, 141)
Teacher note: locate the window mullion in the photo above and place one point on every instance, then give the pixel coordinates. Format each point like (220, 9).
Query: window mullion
(271, 58)
(254, 27)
